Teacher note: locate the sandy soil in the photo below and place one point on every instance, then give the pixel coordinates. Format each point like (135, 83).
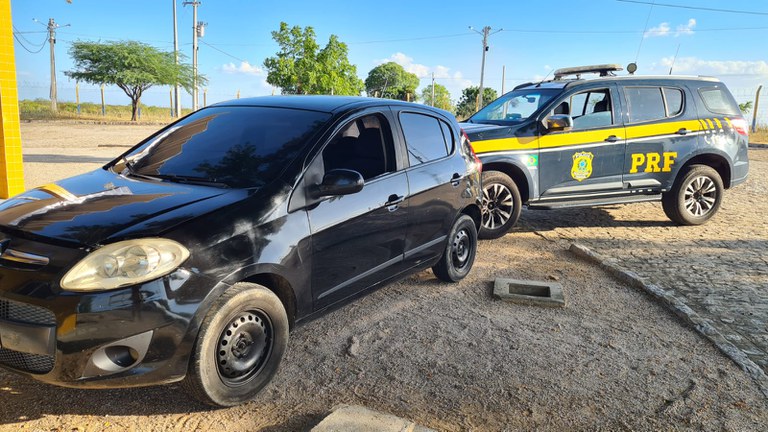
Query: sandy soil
(448, 356)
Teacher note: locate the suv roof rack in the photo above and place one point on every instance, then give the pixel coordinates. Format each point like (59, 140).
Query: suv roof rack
(603, 70)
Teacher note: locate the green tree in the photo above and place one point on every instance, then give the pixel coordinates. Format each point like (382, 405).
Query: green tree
(745, 107)
(301, 67)
(390, 80)
(132, 66)
(468, 101)
(442, 97)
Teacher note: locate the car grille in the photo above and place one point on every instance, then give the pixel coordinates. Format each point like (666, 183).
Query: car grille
(22, 312)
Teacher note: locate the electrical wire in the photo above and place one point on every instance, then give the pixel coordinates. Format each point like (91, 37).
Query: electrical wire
(693, 7)
(25, 47)
(224, 52)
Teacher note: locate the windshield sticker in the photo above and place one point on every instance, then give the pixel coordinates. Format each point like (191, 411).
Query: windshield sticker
(582, 165)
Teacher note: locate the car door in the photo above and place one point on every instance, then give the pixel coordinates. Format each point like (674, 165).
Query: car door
(587, 159)
(358, 239)
(662, 127)
(434, 178)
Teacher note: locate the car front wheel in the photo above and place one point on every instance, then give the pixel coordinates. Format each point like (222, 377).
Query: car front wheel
(239, 347)
(695, 197)
(459, 253)
(501, 205)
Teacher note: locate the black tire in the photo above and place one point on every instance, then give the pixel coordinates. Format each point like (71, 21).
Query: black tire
(459, 253)
(501, 205)
(695, 197)
(239, 347)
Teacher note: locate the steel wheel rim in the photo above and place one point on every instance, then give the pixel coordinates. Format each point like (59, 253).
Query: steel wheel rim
(497, 205)
(243, 347)
(460, 249)
(700, 196)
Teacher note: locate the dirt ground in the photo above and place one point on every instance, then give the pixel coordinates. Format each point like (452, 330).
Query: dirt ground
(447, 356)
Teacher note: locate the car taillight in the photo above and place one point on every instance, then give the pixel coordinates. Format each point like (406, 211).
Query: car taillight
(478, 162)
(740, 125)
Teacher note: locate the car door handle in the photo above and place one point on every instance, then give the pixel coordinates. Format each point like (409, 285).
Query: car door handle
(393, 202)
(455, 180)
(682, 131)
(612, 139)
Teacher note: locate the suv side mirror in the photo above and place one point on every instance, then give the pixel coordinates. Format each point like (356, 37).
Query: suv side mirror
(338, 182)
(559, 122)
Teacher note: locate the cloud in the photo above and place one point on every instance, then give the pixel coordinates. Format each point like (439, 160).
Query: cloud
(664, 29)
(407, 63)
(697, 66)
(244, 68)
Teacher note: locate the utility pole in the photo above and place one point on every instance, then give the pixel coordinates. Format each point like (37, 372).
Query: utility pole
(52, 43)
(503, 77)
(433, 89)
(485, 33)
(195, 26)
(176, 100)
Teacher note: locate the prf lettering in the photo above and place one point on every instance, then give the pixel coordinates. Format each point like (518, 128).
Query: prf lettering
(652, 162)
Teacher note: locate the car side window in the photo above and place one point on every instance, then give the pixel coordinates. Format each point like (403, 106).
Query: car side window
(645, 103)
(590, 109)
(674, 101)
(364, 145)
(424, 137)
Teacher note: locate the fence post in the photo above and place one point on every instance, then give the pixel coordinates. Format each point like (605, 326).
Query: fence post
(77, 97)
(103, 107)
(238, 94)
(205, 97)
(171, 93)
(754, 112)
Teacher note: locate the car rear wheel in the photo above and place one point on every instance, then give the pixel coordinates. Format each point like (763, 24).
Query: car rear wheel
(239, 347)
(695, 197)
(459, 254)
(501, 205)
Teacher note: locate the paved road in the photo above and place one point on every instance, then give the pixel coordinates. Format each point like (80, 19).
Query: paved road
(720, 269)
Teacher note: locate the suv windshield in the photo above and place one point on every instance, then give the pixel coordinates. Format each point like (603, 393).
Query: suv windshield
(234, 146)
(514, 107)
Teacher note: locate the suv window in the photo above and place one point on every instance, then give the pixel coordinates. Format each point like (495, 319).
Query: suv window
(645, 103)
(674, 99)
(589, 109)
(719, 102)
(363, 145)
(424, 138)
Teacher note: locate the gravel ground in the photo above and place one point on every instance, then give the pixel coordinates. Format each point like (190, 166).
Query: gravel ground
(447, 356)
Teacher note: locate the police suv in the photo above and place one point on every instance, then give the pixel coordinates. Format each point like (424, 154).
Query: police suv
(573, 142)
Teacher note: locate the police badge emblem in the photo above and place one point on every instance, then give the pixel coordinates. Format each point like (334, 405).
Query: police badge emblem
(582, 165)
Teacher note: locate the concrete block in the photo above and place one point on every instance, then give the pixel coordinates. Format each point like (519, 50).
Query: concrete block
(353, 418)
(547, 294)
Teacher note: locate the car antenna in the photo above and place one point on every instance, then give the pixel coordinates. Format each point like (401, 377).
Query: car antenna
(544, 79)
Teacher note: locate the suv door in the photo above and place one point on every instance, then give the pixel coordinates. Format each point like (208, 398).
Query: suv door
(358, 240)
(434, 178)
(588, 159)
(662, 126)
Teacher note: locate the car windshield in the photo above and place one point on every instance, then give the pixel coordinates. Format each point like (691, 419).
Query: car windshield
(514, 107)
(232, 146)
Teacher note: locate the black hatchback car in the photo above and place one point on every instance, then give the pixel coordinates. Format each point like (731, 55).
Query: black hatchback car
(192, 255)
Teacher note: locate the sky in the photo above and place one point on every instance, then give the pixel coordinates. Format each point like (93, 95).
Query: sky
(529, 39)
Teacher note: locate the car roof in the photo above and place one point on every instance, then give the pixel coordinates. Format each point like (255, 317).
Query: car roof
(330, 104)
(626, 79)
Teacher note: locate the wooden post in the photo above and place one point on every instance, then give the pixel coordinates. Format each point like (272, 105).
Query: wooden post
(238, 94)
(77, 96)
(103, 107)
(205, 97)
(171, 93)
(754, 112)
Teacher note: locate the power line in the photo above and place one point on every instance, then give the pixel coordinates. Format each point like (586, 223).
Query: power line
(225, 53)
(27, 49)
(693, 7)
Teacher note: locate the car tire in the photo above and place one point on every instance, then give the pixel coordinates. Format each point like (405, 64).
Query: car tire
(501, 205)
(460, 251)
(695, 197)
(239, 347)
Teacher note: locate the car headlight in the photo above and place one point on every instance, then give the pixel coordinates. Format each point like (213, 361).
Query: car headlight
(125, 263)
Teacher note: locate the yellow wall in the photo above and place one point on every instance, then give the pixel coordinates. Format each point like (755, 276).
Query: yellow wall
(11, 170)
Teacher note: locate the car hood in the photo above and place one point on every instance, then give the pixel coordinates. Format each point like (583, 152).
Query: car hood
(91, 208)
(482, 132)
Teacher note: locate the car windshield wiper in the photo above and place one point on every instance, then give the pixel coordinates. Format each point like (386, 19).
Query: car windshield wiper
(176, 178)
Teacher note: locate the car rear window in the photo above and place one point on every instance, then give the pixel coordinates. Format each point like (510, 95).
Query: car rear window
(236, 146)
(674, 99)
(718, 101)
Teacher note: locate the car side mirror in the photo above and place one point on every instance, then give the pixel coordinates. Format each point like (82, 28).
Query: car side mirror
(559, 122)
(338, 182)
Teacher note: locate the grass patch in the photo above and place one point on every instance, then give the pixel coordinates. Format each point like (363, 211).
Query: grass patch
(40, 109)
(759, 136)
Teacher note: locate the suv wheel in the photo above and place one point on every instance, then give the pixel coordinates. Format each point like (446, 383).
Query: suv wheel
(240, 346)
(695, 197)
(501, 205)
(459, 254)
